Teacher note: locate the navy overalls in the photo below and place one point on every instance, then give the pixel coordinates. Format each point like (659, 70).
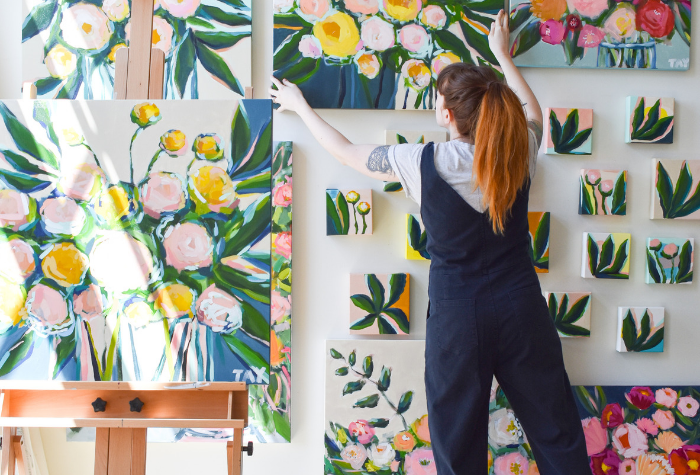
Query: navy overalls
(486, 317)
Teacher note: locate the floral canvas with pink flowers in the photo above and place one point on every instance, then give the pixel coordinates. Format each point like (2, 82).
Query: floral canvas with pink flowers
(69, 48)
(377, 54)
(602, 192)
(652, 34)
(137, 241)
(670, 260)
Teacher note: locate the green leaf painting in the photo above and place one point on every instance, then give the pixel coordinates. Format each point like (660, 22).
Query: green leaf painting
(73, 45)
(606, 256)
(416, 238)
(603, 192)
(379, 304)
(676, 193)
(640, 329)
(669, 260)
(569, 131)
(538, 223)
(348, 212)
(649, 120)
(571, 312)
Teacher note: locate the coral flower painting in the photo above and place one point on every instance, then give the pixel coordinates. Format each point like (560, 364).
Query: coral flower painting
(675, 189)
(571, 312)
(602, 192)
(606, 256)
(653, 34)
(569, 131)
(538, 223)
(649, 120)
(416, 238)
(380, 304)
(640, 329)
(348, 212)
(69, 47)
(670, 260)
(377, 54)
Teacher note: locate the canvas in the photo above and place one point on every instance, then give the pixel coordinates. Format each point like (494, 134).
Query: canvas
(602, 192)
(649, 120)
(538, 224)
(416, 238)
(68, 48)
(129, 264)
(339, 220)
(606, 256)
(640, 329)
(380, 304)
(571, 312)
(600, 34)
(675, 189)
(670, 260)
(377, 54)
(569, 131)
(397, 137)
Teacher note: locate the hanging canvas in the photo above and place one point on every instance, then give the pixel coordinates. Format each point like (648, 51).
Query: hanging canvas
(396, 137)
(606, 256)
(640, 329)
(571, 312)
(675, 189)
(603, 192)
(670, 260)
(380, 304)
(416, 238)
(599, 34)
(649, 120)
(569, 131)
(120, 266)
(377, 54)
(538, 223)
(339, 218)
(69, 48)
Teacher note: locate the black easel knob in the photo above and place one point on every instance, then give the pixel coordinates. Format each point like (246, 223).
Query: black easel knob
(135, 405)
(248, 448)
(99, 405)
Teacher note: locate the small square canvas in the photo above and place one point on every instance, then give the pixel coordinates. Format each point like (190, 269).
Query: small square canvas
(606, 256)
(603, 192)
(348, 212)
(640, 329)
(571, 312)
(397, 137)
(670, 261)
(538, 222)
(380, 304)
(675, 189)
(569, 131)
(649, 120)
(416, 238)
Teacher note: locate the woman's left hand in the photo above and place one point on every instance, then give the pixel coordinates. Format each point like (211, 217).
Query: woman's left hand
(287, 95)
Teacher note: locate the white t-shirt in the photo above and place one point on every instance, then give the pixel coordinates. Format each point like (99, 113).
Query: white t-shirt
(453, 161)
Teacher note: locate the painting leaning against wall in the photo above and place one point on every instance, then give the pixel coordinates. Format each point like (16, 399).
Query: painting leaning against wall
(69, 48)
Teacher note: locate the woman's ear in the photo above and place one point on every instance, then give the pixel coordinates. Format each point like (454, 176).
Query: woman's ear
(447, 116)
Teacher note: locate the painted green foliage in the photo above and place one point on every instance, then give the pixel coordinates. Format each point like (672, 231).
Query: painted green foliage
(390, 320)
(338, 218)
(654, 125)
(570, 320)
(600, 261)
(417, 237)
(647, 336)
(670, 261)
(568, 139)
(538, 241)
(603, 191)
(674, 201)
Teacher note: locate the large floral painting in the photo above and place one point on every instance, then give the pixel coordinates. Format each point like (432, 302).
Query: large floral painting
(137, 241)
(69, 46)
(649, 34)
(377, 54)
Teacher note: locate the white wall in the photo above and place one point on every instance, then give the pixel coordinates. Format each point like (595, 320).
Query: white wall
(322, 264)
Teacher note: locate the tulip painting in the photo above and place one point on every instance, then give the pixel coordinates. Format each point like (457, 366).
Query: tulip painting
(395, 137)
(640, 329)
(570, 312)
(377, 54)
(606, 256)
(538, 224)
(380, 304)
(569, 131)
(649, 120)
(670, 260)
(653, 34)
(602, 192)
(122, 267)
(69, 48)
(416, 238)
(676, 189)
(348, 212)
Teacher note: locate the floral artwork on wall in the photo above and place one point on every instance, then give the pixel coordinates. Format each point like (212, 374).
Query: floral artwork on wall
(640, 329)
(654, 34)
(571, 312)
(380, 304)
(603, 192)
(396, 137)
(569, 132)
(377, 54)
(649, 120)
(670, 260)
(606, 256)
(538, 223)
(69, 47)
(416, 238)
(675, 189)
(348, 212)
(129, 264)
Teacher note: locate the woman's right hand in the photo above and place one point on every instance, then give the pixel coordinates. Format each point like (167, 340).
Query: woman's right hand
(499, 36)
(287, 95)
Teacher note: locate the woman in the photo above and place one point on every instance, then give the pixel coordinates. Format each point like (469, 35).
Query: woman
(487, 315)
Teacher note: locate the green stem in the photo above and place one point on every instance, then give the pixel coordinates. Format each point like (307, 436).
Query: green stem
(595, 203)
(673, 267)
(364, 223)
(131, 154)
(168, 354)
(354, 212)
(661, 268)
(109, 366)
(94, 155)
(153, 161)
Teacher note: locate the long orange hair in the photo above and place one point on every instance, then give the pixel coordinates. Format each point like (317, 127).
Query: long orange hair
(487, 111)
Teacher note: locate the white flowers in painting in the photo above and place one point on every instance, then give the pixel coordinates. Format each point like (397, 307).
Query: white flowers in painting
(85, 26)
(504, 428)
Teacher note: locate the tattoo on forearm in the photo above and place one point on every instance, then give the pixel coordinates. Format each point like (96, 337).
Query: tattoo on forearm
(378, 160)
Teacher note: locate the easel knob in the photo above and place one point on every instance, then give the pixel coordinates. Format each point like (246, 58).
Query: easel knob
(248, 448)
(99, 405)
(135, 405)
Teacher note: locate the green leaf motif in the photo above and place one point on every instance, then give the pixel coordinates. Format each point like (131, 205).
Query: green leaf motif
(376, 290)
(652, 268)
(541, 240)
(368, 402)
(25, 140)
(629, 331)
(353, 387)
(619, 195)
(218, 68)
(18, 353)
(568, 131)
(365, 303)
(368, 367)
(39, 19)
(528, 37)
(405, 402)
(384, 380)
(342, 371)
(352, 358)
(335, 354)
(184, 62)
(606, 254)
(555, 130)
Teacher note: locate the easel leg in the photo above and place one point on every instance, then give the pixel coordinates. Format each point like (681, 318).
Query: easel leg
(101, 451)
(120, 454)
(7, 466)
(17, 445)
(233, 450)
(138, 452)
